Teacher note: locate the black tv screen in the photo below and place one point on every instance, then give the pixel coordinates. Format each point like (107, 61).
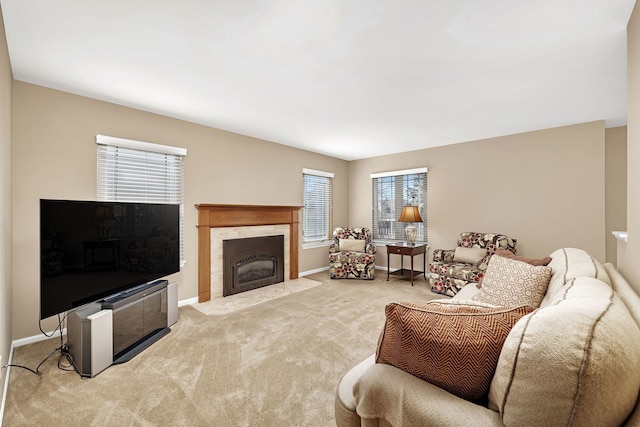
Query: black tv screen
(90, 250)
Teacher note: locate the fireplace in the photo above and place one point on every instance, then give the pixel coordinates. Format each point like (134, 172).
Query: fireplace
(252, 263)
(216, 220)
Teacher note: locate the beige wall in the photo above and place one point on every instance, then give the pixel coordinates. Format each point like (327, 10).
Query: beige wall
(5, 203)
(629, 259)
(545, 188)
(54, 156)
(615, 188)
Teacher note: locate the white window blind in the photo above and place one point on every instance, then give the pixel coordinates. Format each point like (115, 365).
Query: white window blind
(135, 171)
(317, 214)
(392, 191)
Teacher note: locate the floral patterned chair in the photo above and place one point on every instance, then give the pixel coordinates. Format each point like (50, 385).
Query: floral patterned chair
(452, 269)
(352, 254)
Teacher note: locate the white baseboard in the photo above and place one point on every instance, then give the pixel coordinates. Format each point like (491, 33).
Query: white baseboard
(188, 301)
(36, 338)
(317, 270)
(6, 384)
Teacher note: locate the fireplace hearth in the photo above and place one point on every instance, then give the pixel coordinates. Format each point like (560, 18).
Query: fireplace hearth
(252, 263)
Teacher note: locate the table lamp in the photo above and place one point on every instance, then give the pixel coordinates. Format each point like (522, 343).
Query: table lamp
(410, 214)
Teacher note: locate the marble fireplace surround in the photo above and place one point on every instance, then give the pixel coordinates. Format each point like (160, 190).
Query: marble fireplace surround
(219, 222)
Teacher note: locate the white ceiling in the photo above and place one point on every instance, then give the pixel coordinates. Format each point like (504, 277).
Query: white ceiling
(347, 78)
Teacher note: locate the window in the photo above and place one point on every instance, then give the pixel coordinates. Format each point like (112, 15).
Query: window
(317, 214)
(392, 191)
(134, 171)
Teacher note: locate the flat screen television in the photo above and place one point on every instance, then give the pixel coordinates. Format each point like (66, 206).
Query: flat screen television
(90, 250)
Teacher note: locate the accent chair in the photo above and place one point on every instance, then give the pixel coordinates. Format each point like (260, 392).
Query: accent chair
(352, 254)
(452, 269)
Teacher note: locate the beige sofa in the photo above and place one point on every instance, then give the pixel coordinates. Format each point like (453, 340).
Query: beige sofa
(575, 361)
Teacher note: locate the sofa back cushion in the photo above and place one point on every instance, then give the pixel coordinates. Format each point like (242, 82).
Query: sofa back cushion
(631, 300)
(490, 241)
(567, 264)
(572, 363)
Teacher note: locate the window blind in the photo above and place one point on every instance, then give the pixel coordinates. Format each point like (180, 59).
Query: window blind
(135, 171)
(392, 191)
(317, 214)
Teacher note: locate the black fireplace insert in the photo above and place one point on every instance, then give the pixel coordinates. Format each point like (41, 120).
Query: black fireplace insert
(251, 263)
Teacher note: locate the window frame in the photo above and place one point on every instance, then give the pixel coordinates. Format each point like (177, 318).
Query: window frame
(328, 198)
(397, 181)
(174, 180)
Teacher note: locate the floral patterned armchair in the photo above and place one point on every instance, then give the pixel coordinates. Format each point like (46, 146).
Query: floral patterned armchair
(452, 269)
(352, 254)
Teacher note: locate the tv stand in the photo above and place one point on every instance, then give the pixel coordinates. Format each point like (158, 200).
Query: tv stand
(134, 319)
(140, 346)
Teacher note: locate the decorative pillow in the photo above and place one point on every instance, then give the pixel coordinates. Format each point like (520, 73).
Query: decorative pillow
(353, 245)
(533, 261)
(509, 282)
(453, 346)
(469, 255)
(508, 254)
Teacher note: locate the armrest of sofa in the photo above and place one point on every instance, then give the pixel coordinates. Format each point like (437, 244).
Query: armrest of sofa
(370, 248)
(386, 392)
(443, 255)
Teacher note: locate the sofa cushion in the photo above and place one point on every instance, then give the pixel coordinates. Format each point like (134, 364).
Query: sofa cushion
(440, 342)
(354, 245)
(352, 257)
(469, 255)
(509, 282)
(448, 285)
(568, 264)
(465, 272)
(467, 292)
(573, 363)
(387, 396)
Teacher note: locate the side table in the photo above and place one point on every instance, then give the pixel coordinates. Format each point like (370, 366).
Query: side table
(402, 249)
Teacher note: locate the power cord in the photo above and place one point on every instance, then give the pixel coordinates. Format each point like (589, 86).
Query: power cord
(63, 349)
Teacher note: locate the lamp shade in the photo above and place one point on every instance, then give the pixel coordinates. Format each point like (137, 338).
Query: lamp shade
(410, 214)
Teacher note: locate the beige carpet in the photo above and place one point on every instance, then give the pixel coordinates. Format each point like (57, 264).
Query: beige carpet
(274, 364)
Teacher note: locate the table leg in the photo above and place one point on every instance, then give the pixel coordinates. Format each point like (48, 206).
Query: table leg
(411, 270)
(388, 265)
(424, 264)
